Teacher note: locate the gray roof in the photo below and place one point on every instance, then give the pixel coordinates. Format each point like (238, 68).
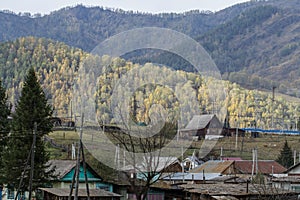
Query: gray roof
(64, 192)
(152, 164)
(62, 167)
(199, 122)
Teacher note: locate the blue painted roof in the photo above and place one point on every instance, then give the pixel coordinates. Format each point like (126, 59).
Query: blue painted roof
(280, 132)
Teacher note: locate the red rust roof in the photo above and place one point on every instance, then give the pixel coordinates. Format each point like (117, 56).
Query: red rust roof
(264, 167)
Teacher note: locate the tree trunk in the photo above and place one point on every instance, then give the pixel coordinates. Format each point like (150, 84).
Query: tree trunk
(138, 196)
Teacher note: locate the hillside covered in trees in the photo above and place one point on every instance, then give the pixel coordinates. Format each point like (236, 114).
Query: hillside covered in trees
(57, 66)
(255, 44)
(259, 47)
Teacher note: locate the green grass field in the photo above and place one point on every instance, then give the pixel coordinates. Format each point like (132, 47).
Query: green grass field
(268, 146)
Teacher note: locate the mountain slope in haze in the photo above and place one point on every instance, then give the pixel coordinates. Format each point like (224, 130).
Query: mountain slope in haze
(259, 47)
(85, 27)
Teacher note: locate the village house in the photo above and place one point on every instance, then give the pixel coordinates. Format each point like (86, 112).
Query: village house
(291, 181)
(65, 169)
(264, 167)
(60, 187)
(155, 164)
(158, 165)
(215, 166)
(294, 170)
(191, 162)
(241, 191)
(202, 126)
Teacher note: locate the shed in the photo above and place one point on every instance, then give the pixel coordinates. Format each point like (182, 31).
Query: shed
(231, 132)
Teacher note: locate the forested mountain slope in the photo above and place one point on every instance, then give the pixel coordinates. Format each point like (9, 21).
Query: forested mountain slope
(261, 47)
(57, 67)
(255, 44)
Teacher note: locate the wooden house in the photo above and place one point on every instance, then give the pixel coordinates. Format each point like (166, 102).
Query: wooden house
(291, 183)
(265, 167)
(156, 165)
(65, 169)
(235, 191)
(215, 166)
(294, 170)
(202, 126)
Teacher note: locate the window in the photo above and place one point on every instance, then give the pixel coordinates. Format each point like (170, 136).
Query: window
(296, 188)
(10, 193)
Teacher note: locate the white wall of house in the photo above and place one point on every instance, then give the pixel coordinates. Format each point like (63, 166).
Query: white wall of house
(294, 171)
(287, 186)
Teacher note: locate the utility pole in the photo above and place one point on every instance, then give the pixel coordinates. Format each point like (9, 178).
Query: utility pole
(32, 161)
(75, 179)
(221, 155)
(23, 173)
(295, 157)
(236, 135)
(273, 99)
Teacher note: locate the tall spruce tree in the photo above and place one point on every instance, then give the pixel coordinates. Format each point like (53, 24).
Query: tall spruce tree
(4, 125)
(285, 157)
(31, 107)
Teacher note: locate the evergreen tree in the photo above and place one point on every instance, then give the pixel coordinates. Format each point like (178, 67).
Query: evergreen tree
(32, 107)
(4, 124)
(285, 157)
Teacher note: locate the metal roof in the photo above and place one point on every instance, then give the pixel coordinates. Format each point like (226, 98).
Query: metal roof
(279, 132)
(199, 122)
(64, 168)
(264, 166)
(64, 192)
(190, 176)
(152, 164)
(292, 167)
(236, 190)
